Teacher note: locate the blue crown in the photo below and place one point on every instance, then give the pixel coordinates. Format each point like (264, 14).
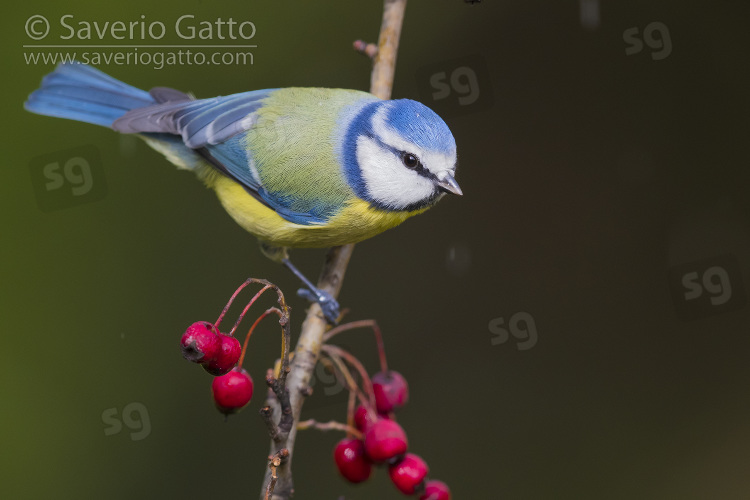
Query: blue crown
(421, 126)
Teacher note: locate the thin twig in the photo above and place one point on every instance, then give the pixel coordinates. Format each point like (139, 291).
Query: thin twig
(384, 67)
(274, 462)
(266, 414)
(329, 426)
(286, 420)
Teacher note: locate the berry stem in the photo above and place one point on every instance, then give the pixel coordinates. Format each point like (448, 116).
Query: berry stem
(277, 385)
(272, 310)
(234, 296)
(341, 371)
(350, 404)
(231, 299)
(364, 323)
(247, 307)
(329, 426)
(336, 353)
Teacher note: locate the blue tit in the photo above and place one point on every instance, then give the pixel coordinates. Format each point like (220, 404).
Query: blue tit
(296, 167)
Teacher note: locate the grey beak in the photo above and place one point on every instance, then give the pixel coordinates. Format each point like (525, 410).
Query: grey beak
(449, 185)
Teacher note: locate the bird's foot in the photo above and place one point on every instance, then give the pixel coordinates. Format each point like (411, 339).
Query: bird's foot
(327, 303)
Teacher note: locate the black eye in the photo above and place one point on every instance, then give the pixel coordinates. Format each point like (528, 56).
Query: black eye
(410, 160)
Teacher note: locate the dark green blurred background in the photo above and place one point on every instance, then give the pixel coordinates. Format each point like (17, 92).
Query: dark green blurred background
(545, 320)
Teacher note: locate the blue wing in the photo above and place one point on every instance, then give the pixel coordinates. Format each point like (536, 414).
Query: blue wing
(200, 122)
(233, 159)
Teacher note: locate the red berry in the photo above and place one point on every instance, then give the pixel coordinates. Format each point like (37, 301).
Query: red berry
(351, 461)
(200, 342)
(391, 391)
(409, 473)
(384, 440)
(363, 419)
(436, 490)
(226, 358)
(232, 391)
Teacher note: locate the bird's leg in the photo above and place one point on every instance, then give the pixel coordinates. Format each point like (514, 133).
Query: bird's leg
(328, 304)
(312, 293)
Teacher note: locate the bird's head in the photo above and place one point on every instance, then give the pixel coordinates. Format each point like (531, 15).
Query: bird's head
(400, 155)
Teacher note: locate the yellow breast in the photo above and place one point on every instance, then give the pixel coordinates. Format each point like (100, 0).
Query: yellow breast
(357, 221)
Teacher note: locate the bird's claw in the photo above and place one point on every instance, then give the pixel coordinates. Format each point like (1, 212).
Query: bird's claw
(328, 304)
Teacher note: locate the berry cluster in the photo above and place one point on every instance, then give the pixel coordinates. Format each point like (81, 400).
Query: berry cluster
(220, 355)
(379, 439)
(374, 438)
(384, 442)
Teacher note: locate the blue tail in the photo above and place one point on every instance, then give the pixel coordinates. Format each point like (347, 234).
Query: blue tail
(80, 92)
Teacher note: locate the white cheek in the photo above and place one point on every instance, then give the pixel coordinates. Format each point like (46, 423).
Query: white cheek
(388, 181)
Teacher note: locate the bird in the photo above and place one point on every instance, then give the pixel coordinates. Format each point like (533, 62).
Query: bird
(297, 167)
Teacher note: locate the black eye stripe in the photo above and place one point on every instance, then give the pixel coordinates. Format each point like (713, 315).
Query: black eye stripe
(419, 168)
